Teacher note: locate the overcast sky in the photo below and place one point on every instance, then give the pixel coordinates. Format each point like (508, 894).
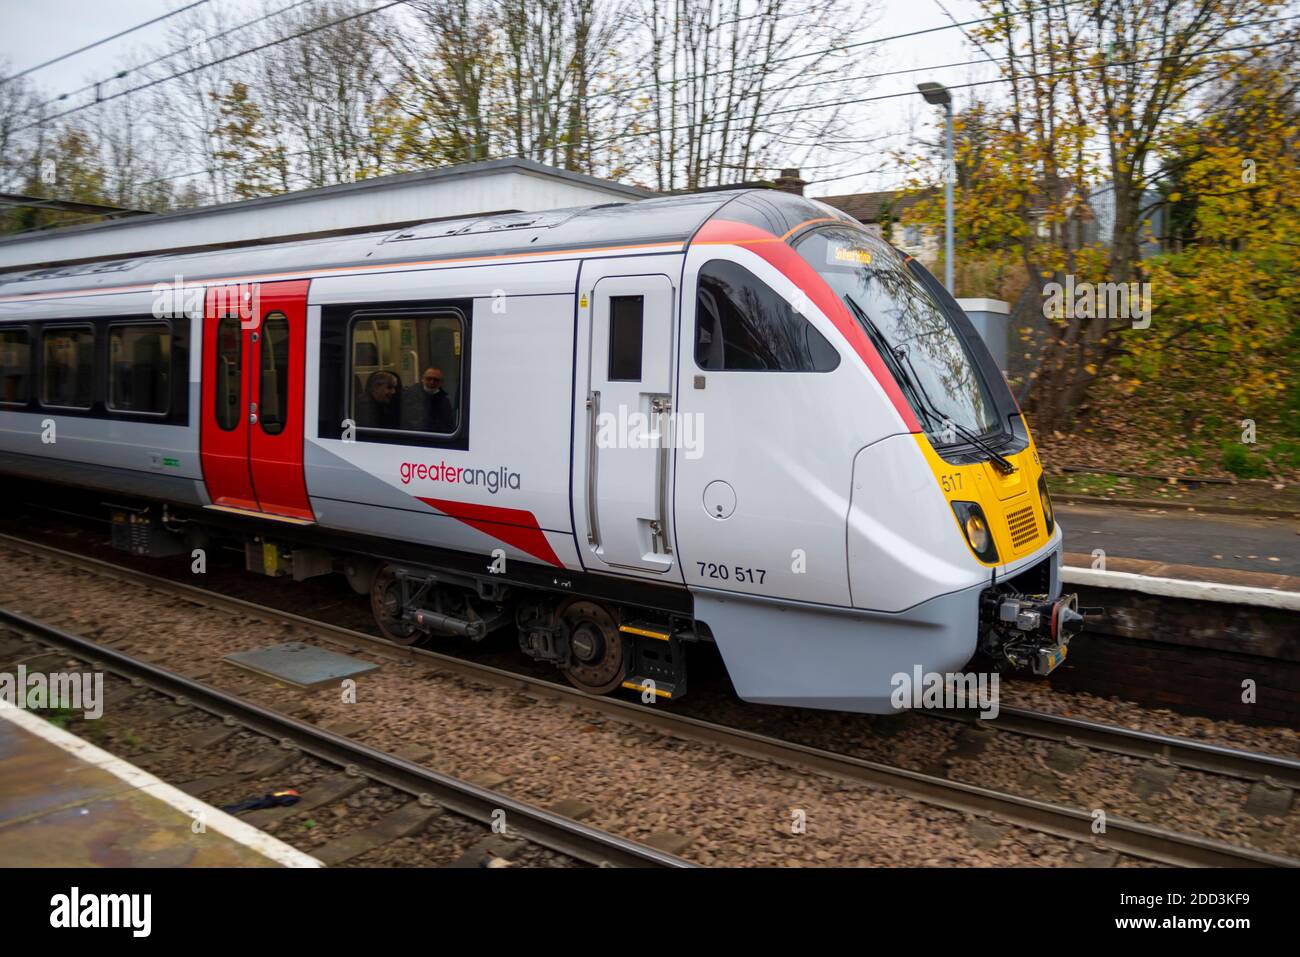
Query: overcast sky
(32, 31)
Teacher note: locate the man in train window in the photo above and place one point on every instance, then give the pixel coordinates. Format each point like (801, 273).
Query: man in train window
(377, 407)
(426, 407)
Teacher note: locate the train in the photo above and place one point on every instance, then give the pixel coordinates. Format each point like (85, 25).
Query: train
(731, 417)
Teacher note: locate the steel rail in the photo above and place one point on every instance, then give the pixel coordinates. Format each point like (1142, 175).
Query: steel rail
(1128, 837)
(542, 827)
(1183, 752)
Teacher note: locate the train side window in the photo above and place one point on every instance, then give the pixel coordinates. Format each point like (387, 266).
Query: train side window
(407, 372)
(274, 388)
(15, 367)
(68, 367)
(139, 368)
(229, 360)
(742, 324)
(626, 320)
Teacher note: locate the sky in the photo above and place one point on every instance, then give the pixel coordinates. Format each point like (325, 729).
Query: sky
(32, 31)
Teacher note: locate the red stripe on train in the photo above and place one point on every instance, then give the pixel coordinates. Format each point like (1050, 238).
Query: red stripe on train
(795, 268)
(514, 526)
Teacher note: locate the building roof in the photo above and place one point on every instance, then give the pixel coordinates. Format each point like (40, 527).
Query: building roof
(873, 207)
(380, 203)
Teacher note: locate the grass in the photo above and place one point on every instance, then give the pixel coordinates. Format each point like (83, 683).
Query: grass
(60, 717)
(1241, 462)
(1086, 483)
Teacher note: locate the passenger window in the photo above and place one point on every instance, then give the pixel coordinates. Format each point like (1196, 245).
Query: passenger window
(139, 368)
(15, 366)
(229, 359)
(407, 372)
(742, 324)
(626, 317)
(274, 390)
(68, 367)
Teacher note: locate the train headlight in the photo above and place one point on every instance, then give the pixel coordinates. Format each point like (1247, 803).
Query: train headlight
(976, 529)
(1048, 515)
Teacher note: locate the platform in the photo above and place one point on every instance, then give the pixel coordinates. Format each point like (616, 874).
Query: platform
(67, 803)
(1247, 550)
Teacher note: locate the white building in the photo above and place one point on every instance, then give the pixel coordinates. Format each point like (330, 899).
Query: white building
(384, 202)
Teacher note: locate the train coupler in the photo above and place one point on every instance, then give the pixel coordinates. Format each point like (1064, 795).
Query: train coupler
(1031, 633)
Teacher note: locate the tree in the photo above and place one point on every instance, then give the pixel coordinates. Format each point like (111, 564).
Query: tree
(259, 167)
(1094, 94)
(724, 94)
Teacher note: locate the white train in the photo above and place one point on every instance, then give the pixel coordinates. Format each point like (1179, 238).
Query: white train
(731, 416)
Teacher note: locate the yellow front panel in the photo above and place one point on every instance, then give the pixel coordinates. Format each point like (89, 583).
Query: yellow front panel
(1010, 502)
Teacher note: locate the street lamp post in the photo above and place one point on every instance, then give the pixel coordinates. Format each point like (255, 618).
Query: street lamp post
(936, 94)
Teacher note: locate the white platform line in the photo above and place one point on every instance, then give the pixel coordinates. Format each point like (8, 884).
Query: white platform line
(193, 808)
(1181, 588)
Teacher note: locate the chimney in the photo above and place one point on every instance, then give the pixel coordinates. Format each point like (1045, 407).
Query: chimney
(790, 182)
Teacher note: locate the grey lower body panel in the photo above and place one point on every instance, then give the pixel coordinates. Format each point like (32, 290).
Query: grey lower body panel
(105, 478)
(842, 659)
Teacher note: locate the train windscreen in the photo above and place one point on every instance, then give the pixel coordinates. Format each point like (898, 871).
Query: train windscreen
(916, 340)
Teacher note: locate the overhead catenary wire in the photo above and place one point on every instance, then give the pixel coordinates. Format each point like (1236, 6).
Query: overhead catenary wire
(710, 122)
(122, 74)
(803, 107)
(211, 63)
(837, 48)
(90, 46)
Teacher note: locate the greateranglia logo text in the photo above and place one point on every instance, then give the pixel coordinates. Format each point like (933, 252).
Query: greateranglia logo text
(491, 479)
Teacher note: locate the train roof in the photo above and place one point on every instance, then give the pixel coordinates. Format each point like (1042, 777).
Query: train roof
(641, 224)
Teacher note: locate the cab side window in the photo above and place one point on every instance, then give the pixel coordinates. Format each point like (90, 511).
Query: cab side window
(741, 324)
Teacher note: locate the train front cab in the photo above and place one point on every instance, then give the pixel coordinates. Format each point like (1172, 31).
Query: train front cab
(825, 524)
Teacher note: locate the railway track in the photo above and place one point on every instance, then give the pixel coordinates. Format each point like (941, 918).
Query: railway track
(427, 788)
(1180, 752)
(1122, 836)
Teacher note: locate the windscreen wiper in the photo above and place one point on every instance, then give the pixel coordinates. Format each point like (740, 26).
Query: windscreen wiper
(913, 383)
(1004, 464)
(891, 360)
(1001, 462)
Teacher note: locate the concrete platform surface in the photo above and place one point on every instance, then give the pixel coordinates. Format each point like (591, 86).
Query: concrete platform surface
(1265, 546)
(66, 803)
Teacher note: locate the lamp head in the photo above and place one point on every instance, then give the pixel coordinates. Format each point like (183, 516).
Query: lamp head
(936, 94)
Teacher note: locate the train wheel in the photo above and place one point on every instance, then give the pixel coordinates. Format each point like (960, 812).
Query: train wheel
(596, 661)
(386, 604)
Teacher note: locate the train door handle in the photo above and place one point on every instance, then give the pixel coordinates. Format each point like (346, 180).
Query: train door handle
(252, 413)
(593, 417)
(662, 406)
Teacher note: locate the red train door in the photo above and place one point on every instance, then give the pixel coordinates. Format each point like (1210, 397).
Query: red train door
(254, 370)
